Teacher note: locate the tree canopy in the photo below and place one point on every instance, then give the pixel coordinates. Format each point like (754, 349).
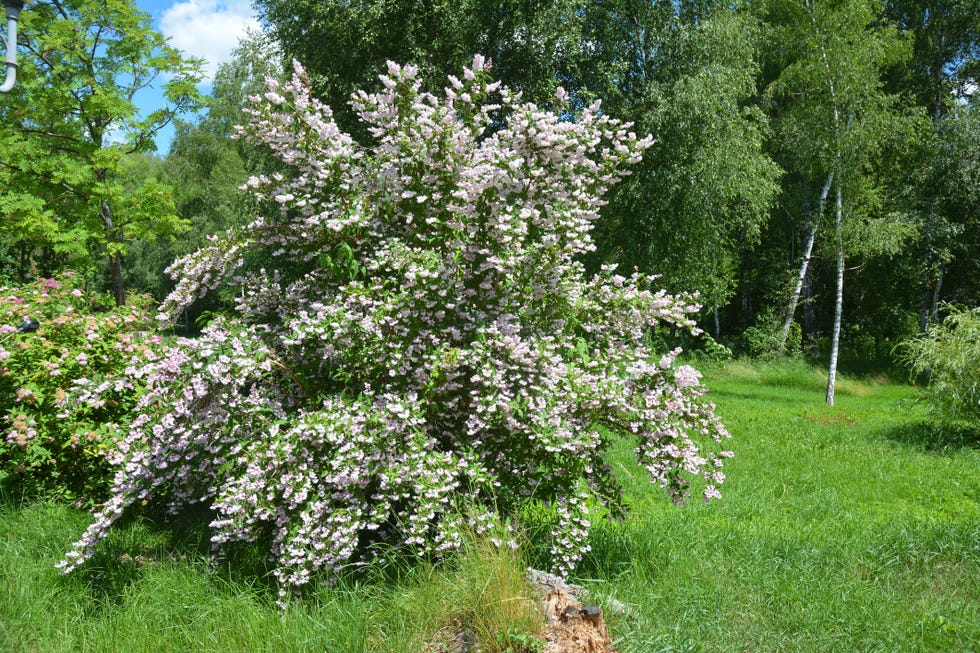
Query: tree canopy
(761, 113)
(70, 129)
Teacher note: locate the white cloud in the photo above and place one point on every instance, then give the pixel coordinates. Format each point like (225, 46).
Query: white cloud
(209, 29)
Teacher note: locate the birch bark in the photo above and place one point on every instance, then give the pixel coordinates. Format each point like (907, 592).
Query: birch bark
(838, 299)
(811, 236)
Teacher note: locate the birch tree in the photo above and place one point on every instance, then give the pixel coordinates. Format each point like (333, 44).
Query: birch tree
(835, 119)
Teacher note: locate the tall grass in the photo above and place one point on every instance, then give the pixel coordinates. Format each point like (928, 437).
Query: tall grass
(852, 528)
(152, 590)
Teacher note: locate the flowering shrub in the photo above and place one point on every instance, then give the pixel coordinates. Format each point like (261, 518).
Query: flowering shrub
(428, 352)
(64, 396)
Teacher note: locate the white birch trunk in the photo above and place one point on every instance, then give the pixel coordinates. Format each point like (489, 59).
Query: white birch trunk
(811, 236)
(838, 300)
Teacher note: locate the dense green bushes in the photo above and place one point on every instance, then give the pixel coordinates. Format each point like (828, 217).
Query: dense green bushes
(949, 354)
(64, 395)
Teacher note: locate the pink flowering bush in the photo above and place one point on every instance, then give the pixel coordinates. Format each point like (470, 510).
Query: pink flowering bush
(429, 352)
(65, 400)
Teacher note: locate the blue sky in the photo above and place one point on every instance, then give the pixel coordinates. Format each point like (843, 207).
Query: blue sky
(209, 29)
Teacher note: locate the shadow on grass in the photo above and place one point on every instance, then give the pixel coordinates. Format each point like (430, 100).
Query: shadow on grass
(764, 394)
(622, 548)
(935, 437)
(150, 538)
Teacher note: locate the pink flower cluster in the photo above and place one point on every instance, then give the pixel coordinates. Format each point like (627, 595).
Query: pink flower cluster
(428, 350)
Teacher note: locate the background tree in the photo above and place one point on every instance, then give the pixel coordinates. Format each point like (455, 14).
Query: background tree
(532, 43)
(685, 72)
(70, 127)
(207, 167)
(945, 191)
(945, 36)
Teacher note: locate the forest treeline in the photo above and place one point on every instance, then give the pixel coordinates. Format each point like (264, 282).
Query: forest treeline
(814, 175)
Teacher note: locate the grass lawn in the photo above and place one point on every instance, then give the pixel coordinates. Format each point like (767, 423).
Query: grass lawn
(852, 528)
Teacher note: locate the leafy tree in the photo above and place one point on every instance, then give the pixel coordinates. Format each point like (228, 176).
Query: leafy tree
(443, 355)
(685, 72)
(72, 124)
(949, 204)
(946, 49)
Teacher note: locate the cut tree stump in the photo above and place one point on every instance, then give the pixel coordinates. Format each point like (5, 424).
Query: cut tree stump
(572, 627)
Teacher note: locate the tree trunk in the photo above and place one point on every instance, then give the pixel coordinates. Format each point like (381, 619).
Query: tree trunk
(811, 236)
(115, 259)
(935, 295)
(810, 323)
(933, 281)
(838, 300)
(23, 267)
(116, 278)
(743, 282)
(931, 288)
(714, 271)
(937, 76)
(927, 292)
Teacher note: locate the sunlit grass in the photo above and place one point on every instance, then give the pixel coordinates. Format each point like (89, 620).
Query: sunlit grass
(852, 528)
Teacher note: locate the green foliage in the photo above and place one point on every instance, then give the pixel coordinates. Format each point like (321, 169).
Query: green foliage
(70, 129)
(761, 340)
(57, 437)
(519, 642)
(711, 349)
(945, 38)
(940, 196)
(949, 354)
(687, 74)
